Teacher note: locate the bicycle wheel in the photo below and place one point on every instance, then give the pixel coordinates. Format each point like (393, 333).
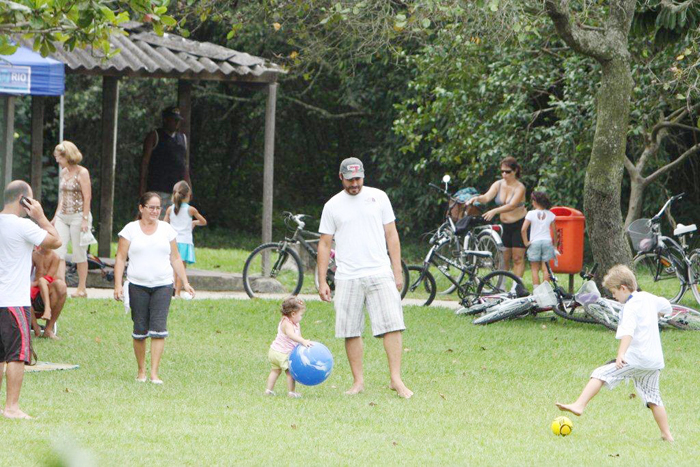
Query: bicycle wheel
(507, 309)
(422, 289)
(659, 270)
(603, 313)
(485, 242)
(574, 312)
(499, 282)
(406, 278)
(484, 305)
(453, 251)
(684, 318)
(694, 274)
(330, 275)
(283, 273)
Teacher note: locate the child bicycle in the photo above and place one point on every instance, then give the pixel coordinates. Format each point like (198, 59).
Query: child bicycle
(276, 268)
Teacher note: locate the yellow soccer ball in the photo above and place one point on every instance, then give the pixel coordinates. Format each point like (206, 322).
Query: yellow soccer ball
(562, 426)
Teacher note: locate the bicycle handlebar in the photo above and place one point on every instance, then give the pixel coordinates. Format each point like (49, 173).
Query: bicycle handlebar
(441, 190)
(657, 217)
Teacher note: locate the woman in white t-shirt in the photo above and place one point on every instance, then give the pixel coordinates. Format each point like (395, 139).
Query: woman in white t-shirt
(543, 236)
(153, 255)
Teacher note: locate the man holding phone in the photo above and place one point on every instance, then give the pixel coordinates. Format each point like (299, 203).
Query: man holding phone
(19, 236)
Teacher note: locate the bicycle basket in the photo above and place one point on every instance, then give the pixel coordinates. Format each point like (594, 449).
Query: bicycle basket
(587, 294)
(544, 295)
(458, 207)
(643, 239)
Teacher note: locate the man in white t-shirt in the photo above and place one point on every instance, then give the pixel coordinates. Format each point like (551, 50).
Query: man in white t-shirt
(362, 222)
(19, 236)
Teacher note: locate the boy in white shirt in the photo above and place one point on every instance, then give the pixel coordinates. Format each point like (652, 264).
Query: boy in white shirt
(639, 357)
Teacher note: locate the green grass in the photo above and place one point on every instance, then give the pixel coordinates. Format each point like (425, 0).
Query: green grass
(483, 395)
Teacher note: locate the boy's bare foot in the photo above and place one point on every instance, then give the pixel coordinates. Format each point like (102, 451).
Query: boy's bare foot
(355, 389)
(16, 414)
(401, 389)
(570, 408)
(37, 332)
(668, 438)
(47, 314)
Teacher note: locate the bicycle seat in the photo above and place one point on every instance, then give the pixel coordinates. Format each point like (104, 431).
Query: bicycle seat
(681, 229)
(478, 254)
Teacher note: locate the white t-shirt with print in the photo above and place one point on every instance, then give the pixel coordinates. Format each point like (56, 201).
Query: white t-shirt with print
(149, 255)
(640, 319)
(357, 224)
(540, 220)
(18, 237)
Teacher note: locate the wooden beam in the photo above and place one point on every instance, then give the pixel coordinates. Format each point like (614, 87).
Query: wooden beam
(269, 162)
(37, 144)
(184, 101)
(110, 110)
(7, 136)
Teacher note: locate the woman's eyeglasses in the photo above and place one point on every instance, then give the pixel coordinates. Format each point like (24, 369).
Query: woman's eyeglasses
(506, 171)
(153, 208)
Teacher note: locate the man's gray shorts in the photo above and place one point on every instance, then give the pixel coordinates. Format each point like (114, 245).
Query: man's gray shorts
(378, 294)
(646, 382)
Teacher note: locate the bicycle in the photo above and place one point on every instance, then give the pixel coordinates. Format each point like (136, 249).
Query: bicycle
(544, 298)
(469, 284)
(663, 258)
(276, 268)
(468, 233)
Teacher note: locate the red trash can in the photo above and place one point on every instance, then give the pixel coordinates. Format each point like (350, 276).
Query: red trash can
(570, 225)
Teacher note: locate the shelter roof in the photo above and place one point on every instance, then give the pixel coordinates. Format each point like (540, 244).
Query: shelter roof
(148, 55)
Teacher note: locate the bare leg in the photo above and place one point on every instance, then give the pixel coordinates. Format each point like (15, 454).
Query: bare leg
(588, 393)
(661, 418)
(354, 350)
(15, 376)
(178, 282)
(507, 257)
(272, 379)
(545, 273)
(535, 270)
(291, 385)
(157, 346)
(61, 271)
(393, 347)
(140, 352)
(44, 291)
(519, 261)
(58, 293)
(35, 325)
(82, 279)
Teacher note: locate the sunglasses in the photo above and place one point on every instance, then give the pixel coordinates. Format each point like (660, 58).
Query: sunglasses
(506, 171)
(153, 208)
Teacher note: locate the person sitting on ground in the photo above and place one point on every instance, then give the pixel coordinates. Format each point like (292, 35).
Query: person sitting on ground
(46, 304)
(639, 356)
(288, 337)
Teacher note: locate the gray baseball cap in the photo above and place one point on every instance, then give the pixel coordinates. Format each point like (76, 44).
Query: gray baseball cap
(352, 168)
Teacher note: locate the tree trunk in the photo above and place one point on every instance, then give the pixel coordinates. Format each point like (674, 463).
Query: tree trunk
(604, 173)
(634, 208)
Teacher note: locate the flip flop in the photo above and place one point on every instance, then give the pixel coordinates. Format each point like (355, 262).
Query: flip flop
(157, 381)
(141, 380)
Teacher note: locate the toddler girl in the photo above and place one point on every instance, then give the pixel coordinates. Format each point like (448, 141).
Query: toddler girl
(288, 336)
(180, 216)
(540, 247)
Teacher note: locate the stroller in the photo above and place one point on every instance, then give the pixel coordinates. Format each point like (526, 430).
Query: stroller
(94, 263)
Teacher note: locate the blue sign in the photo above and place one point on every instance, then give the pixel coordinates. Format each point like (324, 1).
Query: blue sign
(15, 79)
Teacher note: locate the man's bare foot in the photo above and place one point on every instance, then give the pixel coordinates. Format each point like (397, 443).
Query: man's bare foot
(16, 414)
(355, 389)
(401, 389)
(37, 332)
(570, 408)
(50, 335)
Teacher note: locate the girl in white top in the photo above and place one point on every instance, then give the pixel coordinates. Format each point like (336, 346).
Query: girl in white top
(543, 236)
(152, 251)
(183, 218)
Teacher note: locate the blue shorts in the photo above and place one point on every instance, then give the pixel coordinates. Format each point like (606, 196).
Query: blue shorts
(541, 250)
(186, 252)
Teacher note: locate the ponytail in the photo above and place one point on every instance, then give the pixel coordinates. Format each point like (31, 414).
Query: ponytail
(181, 190)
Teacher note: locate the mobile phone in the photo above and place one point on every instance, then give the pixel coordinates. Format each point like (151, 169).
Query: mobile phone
(24, 201)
